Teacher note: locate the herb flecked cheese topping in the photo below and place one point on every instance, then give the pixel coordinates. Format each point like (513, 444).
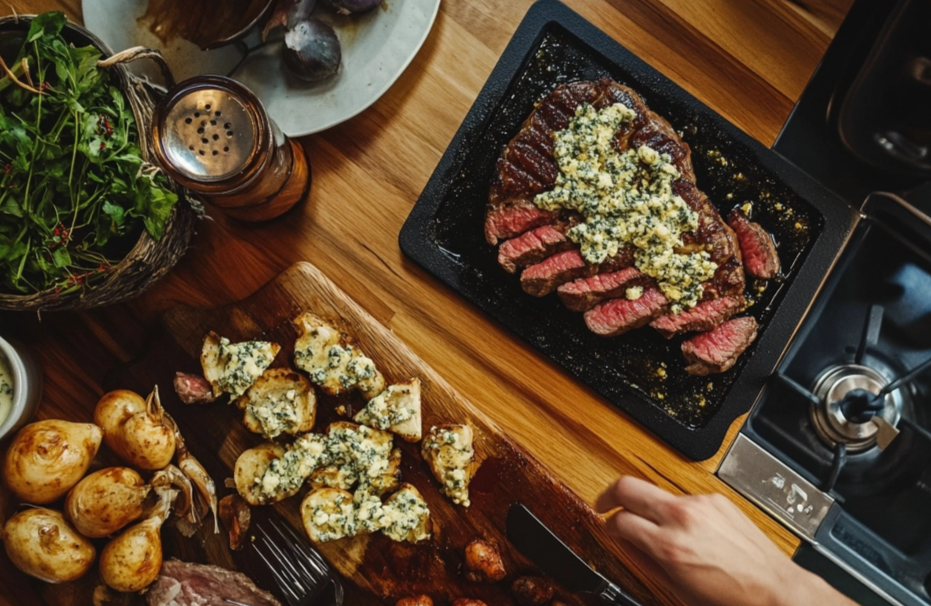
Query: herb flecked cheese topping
(626, 199)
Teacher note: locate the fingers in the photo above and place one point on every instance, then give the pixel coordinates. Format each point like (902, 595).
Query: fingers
(634, 495)
(631, 528)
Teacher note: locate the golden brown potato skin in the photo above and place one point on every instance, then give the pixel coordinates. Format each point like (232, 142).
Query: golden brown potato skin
(468, 602)
(42, 544)
(135, 430)
(483, 562)
(132, 561)
(48, 457)
(416, 600)
(105, 501)
(532, 591)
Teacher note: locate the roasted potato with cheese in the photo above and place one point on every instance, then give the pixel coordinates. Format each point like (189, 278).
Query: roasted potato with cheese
(249, 474)
(406, 516)
(397, 409)
(332, 360)
(281, 401)
(448, 450)
(233, 367)
(328, 514)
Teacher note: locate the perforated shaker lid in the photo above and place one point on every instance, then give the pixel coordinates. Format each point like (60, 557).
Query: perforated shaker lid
(209, 130)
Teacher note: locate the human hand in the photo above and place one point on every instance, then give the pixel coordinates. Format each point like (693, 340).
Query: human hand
(706, 550)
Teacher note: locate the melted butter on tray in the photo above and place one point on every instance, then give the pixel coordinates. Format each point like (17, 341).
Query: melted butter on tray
(626, 199)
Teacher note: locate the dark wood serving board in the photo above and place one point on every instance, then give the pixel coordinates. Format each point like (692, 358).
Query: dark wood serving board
(379, 567)
(376, 570)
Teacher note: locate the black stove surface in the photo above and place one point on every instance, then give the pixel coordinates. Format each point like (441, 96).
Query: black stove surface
(874, 311)
(811, 137)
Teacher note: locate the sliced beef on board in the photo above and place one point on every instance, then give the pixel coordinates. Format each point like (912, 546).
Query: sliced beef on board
(527, 166)
(541, 279)
(759, 251)
(717, 350)
(514, 219)
(544, 277)
(617, 316)
(532, 247)
(185, 583)
(701, 318)
(585, 293)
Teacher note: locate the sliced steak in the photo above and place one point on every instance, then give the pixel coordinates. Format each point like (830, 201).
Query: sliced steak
(585, 293)
(185, 583)
(541, 279)
(759, 251)
(703, 317)
(713, 235)
(514, 219)
(617, 316)
(717, 350)
(193, 389)
(532, 247)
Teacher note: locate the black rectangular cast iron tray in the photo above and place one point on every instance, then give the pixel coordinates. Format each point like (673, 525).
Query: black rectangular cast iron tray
(640, 372)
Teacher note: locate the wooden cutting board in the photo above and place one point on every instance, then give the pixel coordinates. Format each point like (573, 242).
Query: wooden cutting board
(377, 570)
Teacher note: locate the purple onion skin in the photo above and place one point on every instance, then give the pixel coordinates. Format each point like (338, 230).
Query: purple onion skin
(311, 50)
(349, 7)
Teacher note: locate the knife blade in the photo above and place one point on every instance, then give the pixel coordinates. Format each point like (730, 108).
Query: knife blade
(547, 551)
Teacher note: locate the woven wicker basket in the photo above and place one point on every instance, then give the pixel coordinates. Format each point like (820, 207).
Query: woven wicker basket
(149, 259)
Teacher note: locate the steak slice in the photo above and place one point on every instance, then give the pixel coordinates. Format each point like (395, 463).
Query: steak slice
(703, 317)
(182, 583)
(759, 251)
(585, 293)
(717, 350)
(617, 316)
(541, 279)
(532, 247)
(514, 219)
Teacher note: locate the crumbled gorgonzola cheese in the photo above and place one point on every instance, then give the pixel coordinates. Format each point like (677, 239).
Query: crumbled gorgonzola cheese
(626, 199)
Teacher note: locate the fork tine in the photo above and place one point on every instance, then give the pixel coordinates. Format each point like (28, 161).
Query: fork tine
(299, 570)
(286, 587)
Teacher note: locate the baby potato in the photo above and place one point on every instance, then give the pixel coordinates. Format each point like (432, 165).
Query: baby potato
(42, 544)
(105, 501)
(48, 457)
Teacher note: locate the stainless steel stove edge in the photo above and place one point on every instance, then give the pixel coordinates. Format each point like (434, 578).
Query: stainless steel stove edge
(798, 505)
(774, 487)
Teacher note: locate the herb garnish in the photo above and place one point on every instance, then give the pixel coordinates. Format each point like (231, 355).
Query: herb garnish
(74, 191)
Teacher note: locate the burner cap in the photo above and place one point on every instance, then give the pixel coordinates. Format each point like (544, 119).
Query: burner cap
(836, 388)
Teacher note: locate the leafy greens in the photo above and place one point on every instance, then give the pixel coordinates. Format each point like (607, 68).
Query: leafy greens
(74, 197)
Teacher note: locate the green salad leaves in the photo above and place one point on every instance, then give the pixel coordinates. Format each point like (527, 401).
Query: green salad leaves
(74, 197)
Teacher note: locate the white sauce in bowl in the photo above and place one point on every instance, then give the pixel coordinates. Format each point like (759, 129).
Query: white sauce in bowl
(6, 388)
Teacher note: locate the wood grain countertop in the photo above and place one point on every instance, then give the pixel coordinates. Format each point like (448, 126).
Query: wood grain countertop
(749, 60)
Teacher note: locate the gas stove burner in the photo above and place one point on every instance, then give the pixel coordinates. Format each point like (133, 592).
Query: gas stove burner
(849, 397)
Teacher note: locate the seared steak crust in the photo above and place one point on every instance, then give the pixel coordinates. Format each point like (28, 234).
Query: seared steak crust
(527, 167)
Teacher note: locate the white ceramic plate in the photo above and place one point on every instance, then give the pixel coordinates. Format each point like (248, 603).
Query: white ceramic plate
(376, 48)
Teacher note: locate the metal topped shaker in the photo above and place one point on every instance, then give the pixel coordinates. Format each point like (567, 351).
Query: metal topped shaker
(211, 134)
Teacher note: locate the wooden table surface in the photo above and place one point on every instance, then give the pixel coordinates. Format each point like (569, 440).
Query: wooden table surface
(749, 60)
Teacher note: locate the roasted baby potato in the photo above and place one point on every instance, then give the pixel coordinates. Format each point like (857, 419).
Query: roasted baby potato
(47, 458)
(42, 544)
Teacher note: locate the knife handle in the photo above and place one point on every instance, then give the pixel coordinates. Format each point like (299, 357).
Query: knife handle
(612, 594)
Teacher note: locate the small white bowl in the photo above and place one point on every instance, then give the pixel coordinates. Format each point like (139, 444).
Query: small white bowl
(27, 387)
